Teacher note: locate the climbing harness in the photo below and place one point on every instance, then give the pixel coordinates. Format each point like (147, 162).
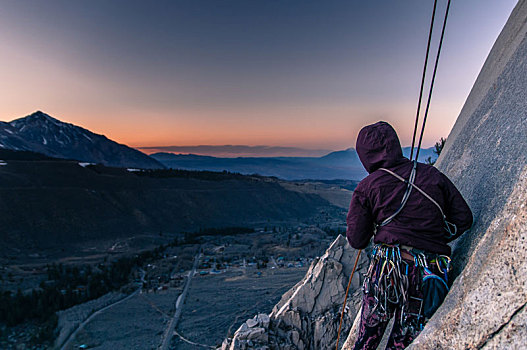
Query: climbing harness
(406, 195)
(387, 280)
(450, 228)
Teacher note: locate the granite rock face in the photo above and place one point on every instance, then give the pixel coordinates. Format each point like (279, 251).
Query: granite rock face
(486, 158)
(307, 316)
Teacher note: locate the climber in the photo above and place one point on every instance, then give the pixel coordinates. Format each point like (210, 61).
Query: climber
(413, 243)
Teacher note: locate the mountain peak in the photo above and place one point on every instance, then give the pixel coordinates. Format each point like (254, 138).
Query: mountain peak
(39, 114)
(37, 117)
(40, 132)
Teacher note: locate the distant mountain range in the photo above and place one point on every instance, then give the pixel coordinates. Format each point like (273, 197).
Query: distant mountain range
(335, 165)
(44, 134)
(229, 151)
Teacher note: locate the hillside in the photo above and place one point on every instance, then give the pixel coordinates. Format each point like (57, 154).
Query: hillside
(44, 134)
(48, 202)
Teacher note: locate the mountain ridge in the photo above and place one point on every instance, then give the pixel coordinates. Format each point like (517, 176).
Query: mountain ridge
(344, 164)
(40, 132)
(228, 150)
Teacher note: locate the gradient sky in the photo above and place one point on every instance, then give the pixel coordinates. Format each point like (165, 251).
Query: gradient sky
(295, 73)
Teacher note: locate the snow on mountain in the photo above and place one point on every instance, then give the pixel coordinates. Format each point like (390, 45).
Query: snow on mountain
(42, 133)
(10, 140)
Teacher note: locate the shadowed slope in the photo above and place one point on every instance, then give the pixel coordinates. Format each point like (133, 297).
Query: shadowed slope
(45, 202)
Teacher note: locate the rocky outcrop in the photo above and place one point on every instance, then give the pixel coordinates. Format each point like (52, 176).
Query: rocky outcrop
(307, 316)
(486, 306)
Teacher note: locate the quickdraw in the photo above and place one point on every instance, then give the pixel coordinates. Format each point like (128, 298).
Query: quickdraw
(387, 280)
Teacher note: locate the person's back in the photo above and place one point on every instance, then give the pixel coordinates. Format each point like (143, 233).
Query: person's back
(419, 226)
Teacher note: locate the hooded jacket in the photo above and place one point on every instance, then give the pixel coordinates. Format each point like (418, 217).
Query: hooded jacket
(379, 195)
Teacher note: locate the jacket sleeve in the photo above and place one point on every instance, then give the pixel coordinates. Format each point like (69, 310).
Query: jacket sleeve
(359, 221)
(457, 210)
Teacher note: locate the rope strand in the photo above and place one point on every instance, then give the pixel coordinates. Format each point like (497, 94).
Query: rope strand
(346, 298)
(433, 79)
(423, 78)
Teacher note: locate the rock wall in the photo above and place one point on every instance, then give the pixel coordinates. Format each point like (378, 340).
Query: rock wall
(486, 150)
(486, 157)
(307, 316)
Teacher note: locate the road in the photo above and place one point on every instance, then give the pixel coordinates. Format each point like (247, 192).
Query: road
(169, 332)
(92, 316)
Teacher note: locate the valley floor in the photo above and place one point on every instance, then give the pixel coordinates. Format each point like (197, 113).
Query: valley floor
(215, 307)
(218, 304)
(236, 277)
(137, 323)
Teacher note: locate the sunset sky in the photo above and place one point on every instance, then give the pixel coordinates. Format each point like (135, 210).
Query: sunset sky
(291, 73)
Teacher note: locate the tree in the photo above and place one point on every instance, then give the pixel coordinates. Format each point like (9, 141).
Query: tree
(438, 147)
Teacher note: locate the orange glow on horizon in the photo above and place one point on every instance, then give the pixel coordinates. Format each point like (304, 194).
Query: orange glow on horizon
(265, 126)
(180, 76)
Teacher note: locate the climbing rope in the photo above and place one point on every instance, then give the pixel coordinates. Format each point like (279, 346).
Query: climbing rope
(431, 83)
(423, 77)
(346, 298)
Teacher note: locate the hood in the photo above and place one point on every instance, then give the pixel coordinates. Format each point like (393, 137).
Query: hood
(378, 147)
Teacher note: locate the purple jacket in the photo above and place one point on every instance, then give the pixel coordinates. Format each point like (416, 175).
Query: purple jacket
(379, 195)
